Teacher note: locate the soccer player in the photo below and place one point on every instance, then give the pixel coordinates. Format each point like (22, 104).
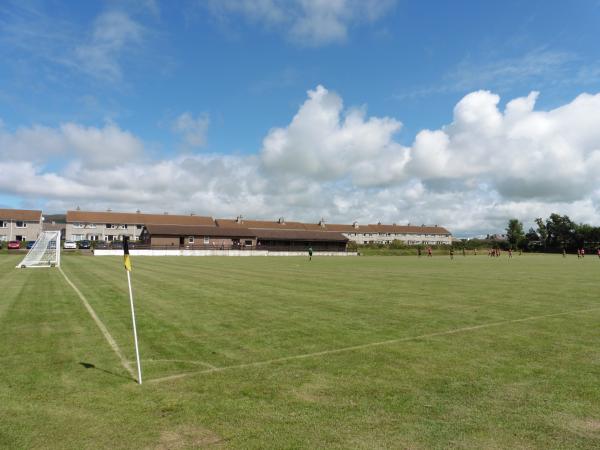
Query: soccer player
(419, 252)
(310, 253)
(451, 253)
(429, 255)
(510, 252)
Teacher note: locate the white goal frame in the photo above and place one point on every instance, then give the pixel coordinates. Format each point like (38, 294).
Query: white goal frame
(43, 253)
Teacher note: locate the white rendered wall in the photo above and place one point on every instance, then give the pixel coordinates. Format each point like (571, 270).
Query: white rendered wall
(183, 252)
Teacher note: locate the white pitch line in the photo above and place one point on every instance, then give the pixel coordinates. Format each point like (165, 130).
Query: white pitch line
(371, 344)
(103, 329)
(187, 361)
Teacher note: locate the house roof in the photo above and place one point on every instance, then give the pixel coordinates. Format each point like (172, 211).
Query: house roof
(341, 228)
(407, 229)
(260, 224)
(190, 230)
(27, 215)
(53, 226)
(299, 235)
(233, 224)
(336, 228)
(137, 218)
(266, 234)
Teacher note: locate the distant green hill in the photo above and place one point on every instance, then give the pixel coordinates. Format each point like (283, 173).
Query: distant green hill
(57, 218)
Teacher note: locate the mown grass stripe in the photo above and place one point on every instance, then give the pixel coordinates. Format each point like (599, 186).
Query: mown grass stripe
(368, 345)
(111, 341)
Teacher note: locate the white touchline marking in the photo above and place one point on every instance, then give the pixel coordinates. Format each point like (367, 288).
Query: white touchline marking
(187, 361)
(371, 344)
(103, 329)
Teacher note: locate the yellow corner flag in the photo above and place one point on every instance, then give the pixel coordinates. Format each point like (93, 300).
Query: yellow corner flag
(127, 263)
(127, 260)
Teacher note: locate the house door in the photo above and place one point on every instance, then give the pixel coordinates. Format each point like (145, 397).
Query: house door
(181, 241)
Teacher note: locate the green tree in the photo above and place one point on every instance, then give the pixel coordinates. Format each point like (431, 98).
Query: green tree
(514, 233)
(561, 231)
(541, 231)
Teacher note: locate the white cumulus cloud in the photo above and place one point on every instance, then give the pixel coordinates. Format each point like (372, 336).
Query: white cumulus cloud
(488, 164)
(325, 142)
(96, 147)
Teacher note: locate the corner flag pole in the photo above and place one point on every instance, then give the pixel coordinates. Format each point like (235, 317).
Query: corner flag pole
(127, 262)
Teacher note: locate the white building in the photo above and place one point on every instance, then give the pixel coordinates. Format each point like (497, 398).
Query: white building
(113, 226)
(20, 224)
(386, 234)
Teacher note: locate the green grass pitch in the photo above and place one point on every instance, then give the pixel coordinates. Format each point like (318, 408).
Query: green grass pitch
(280, 352)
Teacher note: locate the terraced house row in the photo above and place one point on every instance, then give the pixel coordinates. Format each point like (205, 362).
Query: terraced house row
(185, 230)
(20, 224)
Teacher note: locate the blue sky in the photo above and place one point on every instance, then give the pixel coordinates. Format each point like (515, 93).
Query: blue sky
(344, 109)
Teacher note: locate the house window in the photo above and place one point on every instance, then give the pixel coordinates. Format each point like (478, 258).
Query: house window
(139, 227)
(91, 225)
(20, 224)
(124, 226)
(77, 237)
(109, 226)
(78, 225)
(206, 240)
(3, 224)
(248, 243)
(3, 238)
(191, 240)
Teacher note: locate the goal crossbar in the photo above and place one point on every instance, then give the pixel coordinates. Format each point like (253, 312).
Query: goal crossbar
(45, 251)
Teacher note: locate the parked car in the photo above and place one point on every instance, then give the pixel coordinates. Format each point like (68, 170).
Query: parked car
(30, 245)
(69, 245)
(14, 245)
(85, 244)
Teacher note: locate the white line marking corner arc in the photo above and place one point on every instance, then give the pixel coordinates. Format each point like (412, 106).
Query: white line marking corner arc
(111, 341)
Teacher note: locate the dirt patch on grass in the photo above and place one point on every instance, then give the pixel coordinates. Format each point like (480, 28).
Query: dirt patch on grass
(588, 427)
(313, 392)
(188, 436)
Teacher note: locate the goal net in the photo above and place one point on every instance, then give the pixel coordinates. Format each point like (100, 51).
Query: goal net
(45, 251)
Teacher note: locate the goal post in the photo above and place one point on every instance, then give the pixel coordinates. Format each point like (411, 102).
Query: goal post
(45, 251)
